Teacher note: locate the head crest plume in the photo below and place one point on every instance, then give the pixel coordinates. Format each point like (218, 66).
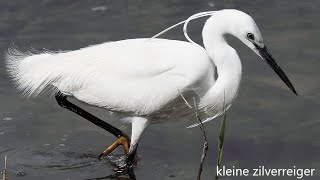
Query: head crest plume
(185, 25)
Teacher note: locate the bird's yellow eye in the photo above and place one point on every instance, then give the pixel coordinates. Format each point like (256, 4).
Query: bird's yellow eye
(250, 36)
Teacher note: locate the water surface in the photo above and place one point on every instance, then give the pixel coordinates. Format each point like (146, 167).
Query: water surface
(267, 125)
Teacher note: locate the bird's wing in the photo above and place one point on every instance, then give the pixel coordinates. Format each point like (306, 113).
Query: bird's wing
(137, 75)
(141, 76)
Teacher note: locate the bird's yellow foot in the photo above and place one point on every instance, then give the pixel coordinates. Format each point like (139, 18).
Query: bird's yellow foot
(122, 140)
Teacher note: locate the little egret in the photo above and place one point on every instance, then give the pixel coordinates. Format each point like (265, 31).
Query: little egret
(142, 80)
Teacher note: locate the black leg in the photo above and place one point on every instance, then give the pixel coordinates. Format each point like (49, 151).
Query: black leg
(128, 167)
(63, 102)
(131, 174)
(131, 157)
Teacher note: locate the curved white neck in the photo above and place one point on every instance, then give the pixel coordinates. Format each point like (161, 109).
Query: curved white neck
(228, 64)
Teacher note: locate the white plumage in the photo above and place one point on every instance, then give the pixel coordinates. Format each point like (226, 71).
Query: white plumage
(106, 76)
(142, 78)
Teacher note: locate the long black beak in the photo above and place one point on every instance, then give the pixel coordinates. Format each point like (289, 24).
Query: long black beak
(265, 54)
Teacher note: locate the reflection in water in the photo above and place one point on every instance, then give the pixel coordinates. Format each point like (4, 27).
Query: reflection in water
(120, 168)
(111, 177)
(68, 161)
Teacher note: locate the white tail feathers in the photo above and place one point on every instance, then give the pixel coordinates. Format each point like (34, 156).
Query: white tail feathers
(30, 71)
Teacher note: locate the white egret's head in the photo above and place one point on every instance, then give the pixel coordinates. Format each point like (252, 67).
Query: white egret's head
(242, 26)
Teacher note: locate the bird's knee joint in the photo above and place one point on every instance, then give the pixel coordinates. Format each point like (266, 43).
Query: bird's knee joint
(61, 99)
